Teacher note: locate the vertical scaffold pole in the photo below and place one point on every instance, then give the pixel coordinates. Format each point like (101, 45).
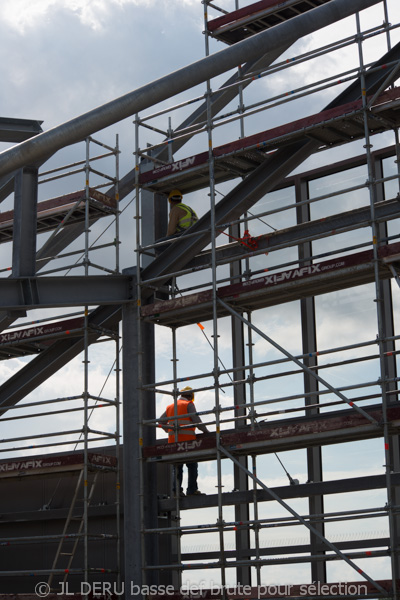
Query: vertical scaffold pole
(177, 517)
(381, 329)
(138, 565)
(220, 521)
(86, 376)
(117, 380)
(389, 46)
(117, 199)
(256, 524)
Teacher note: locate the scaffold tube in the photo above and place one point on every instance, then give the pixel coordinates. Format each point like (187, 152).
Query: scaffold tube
(77, 129)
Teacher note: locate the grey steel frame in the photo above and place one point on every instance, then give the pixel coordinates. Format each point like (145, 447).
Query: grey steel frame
(311, 381)
(24, 269)
(43, 145)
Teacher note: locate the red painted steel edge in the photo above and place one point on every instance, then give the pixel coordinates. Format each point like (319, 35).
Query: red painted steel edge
(38, 331)
(272, 431)
(252, 9)
(37, 463)
(63, 202)
(263, 137)
(335, 264)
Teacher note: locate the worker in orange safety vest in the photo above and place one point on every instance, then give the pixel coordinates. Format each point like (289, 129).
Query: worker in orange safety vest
(180, 422)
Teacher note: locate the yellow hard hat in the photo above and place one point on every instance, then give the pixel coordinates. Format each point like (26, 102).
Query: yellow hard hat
(175, 195)
(188, 391)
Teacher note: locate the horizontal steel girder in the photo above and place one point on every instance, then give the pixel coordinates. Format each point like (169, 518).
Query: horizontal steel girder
(289, 434)
(47, 292)
(18, 130)
(211, 66)
(231, 498)
(264, 178)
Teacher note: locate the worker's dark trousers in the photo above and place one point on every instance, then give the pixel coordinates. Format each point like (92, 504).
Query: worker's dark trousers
(192, 477)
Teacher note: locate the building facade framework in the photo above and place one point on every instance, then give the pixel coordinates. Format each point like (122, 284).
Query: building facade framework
(284, 245)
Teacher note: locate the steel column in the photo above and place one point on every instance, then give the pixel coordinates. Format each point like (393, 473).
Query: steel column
(25, 218)
(389, 358)
(242, 534)
(140, 484)
(309, 339)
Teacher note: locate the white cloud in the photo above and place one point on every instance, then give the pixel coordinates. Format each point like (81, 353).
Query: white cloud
(23, 15)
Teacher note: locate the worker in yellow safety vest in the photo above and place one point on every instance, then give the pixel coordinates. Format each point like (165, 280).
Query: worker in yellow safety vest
(181, 217)
(180, 422)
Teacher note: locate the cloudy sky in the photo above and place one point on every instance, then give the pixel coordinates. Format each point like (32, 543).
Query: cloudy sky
(65, 57)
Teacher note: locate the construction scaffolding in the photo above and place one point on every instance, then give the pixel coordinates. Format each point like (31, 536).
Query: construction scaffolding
(59, 496)
(277, 307)
(302, 238)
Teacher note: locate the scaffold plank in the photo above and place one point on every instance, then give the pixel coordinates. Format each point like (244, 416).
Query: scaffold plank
(244, 22)
(329, 428)
(52, 212)
(53, 464)
(32, 340)
(283, 286)
(332, 127)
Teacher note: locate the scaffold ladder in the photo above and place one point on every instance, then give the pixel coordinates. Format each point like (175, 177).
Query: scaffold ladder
(68, 538)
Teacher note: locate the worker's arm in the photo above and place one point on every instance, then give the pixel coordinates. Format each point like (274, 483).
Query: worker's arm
(175, 214)
(195, 418)
(164, 423)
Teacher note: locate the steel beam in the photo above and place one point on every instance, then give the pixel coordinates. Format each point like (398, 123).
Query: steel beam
(250, 49)
(299, 234)
(242, 535)
(265, 178)
(43, 292)
(54, 358)
(140, 479)
(288, 492)
(25, 219)
(6, 185)
(309, 343)
(18, 130)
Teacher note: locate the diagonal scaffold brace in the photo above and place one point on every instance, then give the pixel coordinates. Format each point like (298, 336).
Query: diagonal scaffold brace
(299, 363)
(304, 522)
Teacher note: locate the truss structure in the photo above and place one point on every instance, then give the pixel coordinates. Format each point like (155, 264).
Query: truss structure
(65, 515)
(290, 402)
(290, 279)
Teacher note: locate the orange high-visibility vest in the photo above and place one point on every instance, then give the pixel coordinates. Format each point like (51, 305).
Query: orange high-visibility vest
(180, 417)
